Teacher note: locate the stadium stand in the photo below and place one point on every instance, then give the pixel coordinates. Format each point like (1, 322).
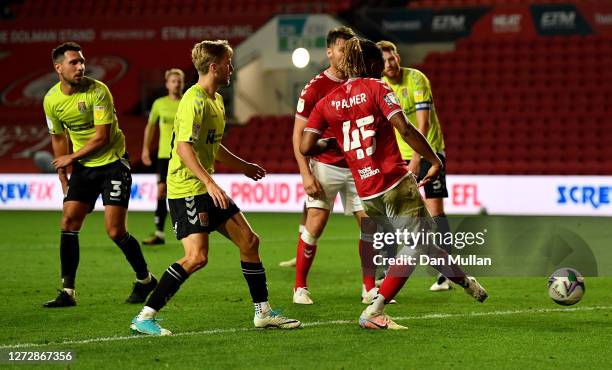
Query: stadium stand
(525, 106)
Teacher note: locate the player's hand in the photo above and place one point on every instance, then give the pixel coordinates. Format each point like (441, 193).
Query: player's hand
(414, 165)
(331, 145)
(312, 187)
(220, 199)
(145, 157)
(432, 175)
(62, 161)
(254, 171)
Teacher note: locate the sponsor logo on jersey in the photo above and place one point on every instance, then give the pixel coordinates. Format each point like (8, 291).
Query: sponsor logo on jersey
(366, 172)
(300, 105)
(99, 112)
(418, 95)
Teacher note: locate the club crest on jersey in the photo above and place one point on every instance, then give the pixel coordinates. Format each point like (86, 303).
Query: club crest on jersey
(300, 105)
(405, 92)
(81, 106)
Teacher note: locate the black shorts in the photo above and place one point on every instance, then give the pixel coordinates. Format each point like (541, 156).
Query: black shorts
(113, 181)
(198, 214)
(162, 169)
(435, 189)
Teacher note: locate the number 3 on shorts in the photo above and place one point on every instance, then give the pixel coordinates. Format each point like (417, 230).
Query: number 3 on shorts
(116, 188)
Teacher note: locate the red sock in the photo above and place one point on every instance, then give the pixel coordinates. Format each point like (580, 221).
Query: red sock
(368, 269)
(391, 286)
(304, 257)
(395, 280)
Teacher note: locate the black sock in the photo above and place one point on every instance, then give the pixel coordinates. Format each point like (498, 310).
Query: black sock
(168, 285)
(130, 247)
(69, 257)
(160, 214)
(255, 276)
(443, 228)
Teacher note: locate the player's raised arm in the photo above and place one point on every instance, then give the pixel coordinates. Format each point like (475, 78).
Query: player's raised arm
(417, 141)
(231, 160)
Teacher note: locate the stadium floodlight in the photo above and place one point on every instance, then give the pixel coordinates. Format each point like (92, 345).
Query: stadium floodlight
(300, 57)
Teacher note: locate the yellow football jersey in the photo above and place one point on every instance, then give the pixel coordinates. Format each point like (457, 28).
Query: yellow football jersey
(414, 93)
(200, 120)
(79, 113)
(163, 111)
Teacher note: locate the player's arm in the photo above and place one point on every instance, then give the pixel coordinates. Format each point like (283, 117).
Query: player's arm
(149, 132)
(417, 141)
(59, 140)
(422, 117)
(100, 139)
(232, 161)
(187, 154)
(312, 187)
(312, 144)
(59, 143)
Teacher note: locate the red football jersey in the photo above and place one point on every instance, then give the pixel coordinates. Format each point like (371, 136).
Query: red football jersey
(358, 115)
(314, 91)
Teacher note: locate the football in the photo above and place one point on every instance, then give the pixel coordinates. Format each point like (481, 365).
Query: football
(566, 286)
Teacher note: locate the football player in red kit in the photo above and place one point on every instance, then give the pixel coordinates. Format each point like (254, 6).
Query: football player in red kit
(361, 115)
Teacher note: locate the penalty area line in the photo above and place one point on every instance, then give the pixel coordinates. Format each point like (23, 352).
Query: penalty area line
(310, 324)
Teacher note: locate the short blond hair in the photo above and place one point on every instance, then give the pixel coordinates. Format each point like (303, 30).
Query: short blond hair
(174, 71)
(206, 52)
(388, 46)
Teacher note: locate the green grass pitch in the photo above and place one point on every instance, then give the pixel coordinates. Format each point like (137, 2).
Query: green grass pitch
(518, 327)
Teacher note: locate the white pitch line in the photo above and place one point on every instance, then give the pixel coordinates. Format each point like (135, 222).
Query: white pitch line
(311, 324)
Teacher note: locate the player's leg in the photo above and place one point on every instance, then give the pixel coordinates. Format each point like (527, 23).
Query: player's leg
(73, 215)
(78, 202)
(192, 218)
(196, 257)
(332, 180)
(435, 192)
(161, 210)
(116, 180)
(291, 262)
(306, 251)
(115, 223)
(237, 229)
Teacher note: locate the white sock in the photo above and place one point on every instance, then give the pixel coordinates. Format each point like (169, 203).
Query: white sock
(146, 280)
(160, 234)
(377, 306)
(70, 292)
(262, 308)
(147, 313)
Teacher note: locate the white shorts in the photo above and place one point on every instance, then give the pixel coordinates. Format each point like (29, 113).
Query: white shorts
(334, 180)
